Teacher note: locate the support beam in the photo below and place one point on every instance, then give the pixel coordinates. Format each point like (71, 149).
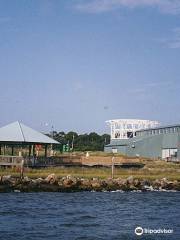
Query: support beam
(4, 149)
(34, 154)
(46, 150)
(12, 152)
(30, 150)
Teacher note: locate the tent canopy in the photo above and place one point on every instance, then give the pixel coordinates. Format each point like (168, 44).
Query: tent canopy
(20, 133)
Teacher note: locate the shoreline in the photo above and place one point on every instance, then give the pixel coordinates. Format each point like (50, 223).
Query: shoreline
(52, 183)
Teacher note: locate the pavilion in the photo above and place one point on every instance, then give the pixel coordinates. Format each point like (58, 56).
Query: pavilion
(19, 135)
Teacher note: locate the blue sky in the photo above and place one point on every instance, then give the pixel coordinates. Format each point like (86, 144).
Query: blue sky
(75, 64)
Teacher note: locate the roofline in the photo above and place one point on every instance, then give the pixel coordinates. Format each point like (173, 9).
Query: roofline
(132, 120)
(160, 127)
(15, 142)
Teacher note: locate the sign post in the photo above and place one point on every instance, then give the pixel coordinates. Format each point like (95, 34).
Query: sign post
(22, 169)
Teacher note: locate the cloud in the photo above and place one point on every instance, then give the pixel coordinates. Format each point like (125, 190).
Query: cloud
(99, 6)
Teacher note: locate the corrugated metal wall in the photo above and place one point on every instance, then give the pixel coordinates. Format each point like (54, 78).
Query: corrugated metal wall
(147, 146)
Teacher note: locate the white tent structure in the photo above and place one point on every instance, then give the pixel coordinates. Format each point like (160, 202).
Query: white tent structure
(19, 134)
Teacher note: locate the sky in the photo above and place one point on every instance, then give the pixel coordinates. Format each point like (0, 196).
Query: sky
(73, 64)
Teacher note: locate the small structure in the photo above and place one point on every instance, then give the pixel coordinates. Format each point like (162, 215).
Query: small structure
(18, 136)
(127, 128)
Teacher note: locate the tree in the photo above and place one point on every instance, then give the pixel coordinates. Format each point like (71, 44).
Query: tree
(82, 142)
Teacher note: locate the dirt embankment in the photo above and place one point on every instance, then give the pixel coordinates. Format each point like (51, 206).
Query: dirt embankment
(96, 160)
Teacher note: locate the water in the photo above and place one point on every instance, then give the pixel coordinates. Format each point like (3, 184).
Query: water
(88, 215)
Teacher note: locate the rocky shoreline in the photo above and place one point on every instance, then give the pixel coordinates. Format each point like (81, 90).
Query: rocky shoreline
(72, 184)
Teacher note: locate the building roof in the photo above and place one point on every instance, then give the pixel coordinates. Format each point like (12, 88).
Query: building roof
(18, 132)
(160, 127)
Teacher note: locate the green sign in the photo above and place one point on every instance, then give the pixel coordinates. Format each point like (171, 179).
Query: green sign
(66, 148)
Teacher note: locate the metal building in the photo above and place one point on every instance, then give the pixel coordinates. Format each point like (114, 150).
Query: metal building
(147, 139)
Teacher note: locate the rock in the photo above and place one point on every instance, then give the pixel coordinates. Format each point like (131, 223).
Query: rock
(176, 185)
(85, 185)
(137, 183)
(112, 185)
(104, 184)
(170, 185)
(51, 178)
(40, 180)
(145, 182)
(164, 183)
(34, 182)
(68, 183)
(122, 182)
(68, 177)
(26, 179)
(148, 188)
(156, 184)
(130, 179)
(96, 184)
(164, 180)
(6, 178)
(72, 184)
(95, 179)
(60, 183)
(131, 187)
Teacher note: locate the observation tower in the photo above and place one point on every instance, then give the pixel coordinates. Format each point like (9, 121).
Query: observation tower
(126, 128)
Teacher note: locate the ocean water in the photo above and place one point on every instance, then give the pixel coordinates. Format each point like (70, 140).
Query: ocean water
(88, 215)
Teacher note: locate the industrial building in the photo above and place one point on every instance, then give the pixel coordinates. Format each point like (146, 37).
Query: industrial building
(144, 138)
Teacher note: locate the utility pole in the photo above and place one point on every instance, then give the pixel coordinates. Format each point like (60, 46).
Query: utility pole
(52, 135)
(22, 169)
(72, 145)
(112, 167)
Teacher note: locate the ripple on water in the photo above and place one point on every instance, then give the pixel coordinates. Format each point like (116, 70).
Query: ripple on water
(86, 215)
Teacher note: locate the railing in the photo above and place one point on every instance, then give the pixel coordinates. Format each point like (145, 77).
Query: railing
(38, 161)
(10, 160)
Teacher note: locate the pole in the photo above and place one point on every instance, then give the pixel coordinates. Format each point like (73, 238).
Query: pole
(112, 167)
(52, 136)
(12, 150)
(22, 169)
(30, 150)
(4, 149)
(72, 145)
(34, 155)
(45, 150)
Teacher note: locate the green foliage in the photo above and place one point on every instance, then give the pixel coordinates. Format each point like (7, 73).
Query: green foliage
(82, 142)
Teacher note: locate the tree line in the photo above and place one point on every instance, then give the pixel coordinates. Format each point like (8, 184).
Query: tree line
(82, 142)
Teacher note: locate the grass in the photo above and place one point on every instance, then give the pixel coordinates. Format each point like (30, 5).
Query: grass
(152, 170)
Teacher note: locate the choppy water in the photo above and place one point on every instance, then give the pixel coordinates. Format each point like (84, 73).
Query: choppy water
(88, 215)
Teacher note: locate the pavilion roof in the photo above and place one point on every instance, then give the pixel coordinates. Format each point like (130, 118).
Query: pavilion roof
(18, 132)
